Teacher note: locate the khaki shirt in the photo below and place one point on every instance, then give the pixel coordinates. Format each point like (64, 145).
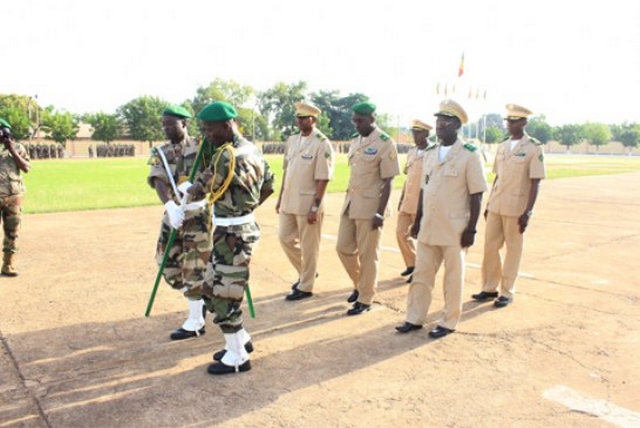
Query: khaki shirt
(10, 178)
(411, 190)
(447, 188)
(305, 164)
(371, 160)
(514, 171)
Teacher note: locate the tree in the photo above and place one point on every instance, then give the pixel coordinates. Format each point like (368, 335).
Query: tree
(493, 134)
(338, 110)
(539, 129)
(15, 109)
(219, 90)
(277, 106)
(628, 134)
(596, 134)
(61, 125)
(143, 117)
(568, 135)
(106, 127)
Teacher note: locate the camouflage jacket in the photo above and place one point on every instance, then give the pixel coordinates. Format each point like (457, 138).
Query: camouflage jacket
(180, 157)
(10, 179)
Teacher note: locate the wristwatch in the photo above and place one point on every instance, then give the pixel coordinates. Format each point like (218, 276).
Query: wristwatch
(314, 209)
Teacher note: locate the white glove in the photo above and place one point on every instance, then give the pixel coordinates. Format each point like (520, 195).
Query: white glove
(175, 213)
(182, 188)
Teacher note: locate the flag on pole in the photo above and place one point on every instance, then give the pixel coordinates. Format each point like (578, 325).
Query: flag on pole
(485, 94)
(446, 89)
(461, 68)
(438, 88)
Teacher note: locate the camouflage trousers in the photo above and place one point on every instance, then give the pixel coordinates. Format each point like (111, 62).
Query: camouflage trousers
(11, 217)
(227, 273)
(189, 254)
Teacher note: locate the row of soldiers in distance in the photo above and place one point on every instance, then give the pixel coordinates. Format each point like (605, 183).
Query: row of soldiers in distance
(45, 151)
(279, 148)
(110, 150)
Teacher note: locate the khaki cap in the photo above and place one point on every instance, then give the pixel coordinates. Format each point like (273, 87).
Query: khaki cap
(304, 109)
(417, 124)
(451, 108)
(517, 112)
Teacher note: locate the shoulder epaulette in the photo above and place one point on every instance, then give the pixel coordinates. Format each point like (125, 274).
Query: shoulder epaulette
(354, 135)
(321, 136)
(384, 137)
(535, 141)
(430, 147)
(470, 147)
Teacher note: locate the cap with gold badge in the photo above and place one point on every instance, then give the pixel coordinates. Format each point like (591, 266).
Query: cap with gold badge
(451, 108)
(515, 112)
(418, 125)
(306, 109)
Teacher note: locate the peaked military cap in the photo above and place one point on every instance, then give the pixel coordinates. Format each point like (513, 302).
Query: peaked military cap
(517, 112)
(4, 123)
(417, 124)
(220, 111)
(176, 111)
(451, 108)
(364, 108)
(304, 109)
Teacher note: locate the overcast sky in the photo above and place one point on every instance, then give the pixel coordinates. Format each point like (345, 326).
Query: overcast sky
(571, 63)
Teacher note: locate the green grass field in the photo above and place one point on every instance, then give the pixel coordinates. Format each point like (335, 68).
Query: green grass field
(90, 184)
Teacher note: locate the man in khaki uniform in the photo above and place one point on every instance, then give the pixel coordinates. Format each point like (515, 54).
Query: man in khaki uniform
(451, 197)
(373, 162)
(308, 167)
(519, 167)
(408, 205)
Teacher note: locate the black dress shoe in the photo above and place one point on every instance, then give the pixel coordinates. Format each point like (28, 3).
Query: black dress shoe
(298, 295)
(485, 295)
(218, 355)
(407, 271)
(220, 368)
(297, 283)
(353, 296)
(502, 301)
(439, 332)
(407, 327)
(358, 308)
(181, 334)
(410, 280)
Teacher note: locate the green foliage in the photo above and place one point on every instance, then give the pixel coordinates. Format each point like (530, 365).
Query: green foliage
(597, 134)
(540, 129)
(338, 110)
(143, 117)
(277, 106)
(568, 135)
(628, 134)
(106, 127)
(494, 134)
(15, 109)
(61, 126)
(219, 90)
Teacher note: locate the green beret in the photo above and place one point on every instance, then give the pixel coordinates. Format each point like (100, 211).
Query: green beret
(176, 111)
(365, 108)
(219, 111)
(4, 123)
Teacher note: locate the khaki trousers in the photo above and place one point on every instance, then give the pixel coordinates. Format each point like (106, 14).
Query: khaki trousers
(358, 247)
(428, 261)
(406, 244)
(501, 230)
(301, 244)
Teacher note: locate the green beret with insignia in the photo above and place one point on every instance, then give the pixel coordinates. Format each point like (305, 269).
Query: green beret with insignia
(176, 111)
(470, 147)
(220, 111)
(4, 123)
(365, 108)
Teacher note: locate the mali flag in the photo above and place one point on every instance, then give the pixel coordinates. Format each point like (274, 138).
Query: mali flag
(461, 68)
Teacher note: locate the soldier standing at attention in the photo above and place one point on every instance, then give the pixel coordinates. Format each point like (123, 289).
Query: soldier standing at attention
(238, 180)
(408, 205)
(519, 167)
(451, 197)
(308, 167)
(373, 162)
(14, 159)
(170, 166)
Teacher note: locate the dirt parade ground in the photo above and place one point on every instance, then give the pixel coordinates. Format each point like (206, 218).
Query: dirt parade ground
(77, 350)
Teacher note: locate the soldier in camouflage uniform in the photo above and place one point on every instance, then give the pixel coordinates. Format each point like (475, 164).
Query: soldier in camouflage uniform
(236, 232)
(13, 160)
(189, 254)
